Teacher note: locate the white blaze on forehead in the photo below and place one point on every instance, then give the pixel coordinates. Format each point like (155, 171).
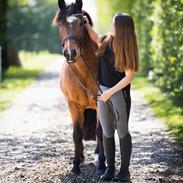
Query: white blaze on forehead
(71, 19)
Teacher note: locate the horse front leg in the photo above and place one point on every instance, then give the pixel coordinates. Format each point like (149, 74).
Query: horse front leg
(78, 119)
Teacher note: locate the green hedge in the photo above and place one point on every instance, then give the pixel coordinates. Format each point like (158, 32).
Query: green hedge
(167, 35)
(141, 12)
(161, 38)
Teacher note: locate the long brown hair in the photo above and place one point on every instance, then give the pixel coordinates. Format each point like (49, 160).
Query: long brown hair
(124, 43)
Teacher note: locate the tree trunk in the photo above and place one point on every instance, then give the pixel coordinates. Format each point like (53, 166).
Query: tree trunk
(3, 10)
(9, 52)
(12, 55)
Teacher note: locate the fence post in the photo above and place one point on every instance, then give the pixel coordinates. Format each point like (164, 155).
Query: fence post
(0, 64)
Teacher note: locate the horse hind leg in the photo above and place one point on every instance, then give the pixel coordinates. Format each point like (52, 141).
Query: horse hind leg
(77, 117)
(100, 162)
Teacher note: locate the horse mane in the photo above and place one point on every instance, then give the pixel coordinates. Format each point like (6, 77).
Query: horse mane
(68, 11)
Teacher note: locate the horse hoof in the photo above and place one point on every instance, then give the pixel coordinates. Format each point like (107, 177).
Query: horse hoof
(75, 172)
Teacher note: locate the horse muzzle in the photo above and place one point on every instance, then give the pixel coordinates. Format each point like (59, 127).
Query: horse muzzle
(71, 56)
(71, 61)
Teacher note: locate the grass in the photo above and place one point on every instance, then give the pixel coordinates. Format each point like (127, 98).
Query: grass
(162, 106)
(15, 80)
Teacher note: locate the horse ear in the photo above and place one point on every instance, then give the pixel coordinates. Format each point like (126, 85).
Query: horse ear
(61, 4)
(79, 4)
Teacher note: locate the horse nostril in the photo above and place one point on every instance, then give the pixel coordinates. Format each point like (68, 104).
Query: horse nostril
(66, 54)
(70, 56)
(73, 53)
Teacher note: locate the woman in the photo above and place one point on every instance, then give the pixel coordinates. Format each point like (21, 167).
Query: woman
(118, 60)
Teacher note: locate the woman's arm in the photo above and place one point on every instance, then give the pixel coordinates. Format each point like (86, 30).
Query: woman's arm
(120, 85)
(93, 35)
(124, 82)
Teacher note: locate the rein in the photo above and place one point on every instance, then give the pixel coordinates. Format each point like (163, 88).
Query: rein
(82, 85)
(108, 102)
(69, 37)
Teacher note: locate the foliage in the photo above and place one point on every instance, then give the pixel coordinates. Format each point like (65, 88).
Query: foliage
(16, 79)
(108, 10)
(167, 48)
(30, 25)
(141, 13)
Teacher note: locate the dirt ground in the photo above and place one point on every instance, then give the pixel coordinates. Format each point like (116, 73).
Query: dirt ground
(36, 143)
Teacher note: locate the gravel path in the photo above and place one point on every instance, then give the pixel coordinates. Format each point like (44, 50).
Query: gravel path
(36, 140)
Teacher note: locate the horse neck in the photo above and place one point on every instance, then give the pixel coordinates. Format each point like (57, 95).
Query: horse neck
(89, 46)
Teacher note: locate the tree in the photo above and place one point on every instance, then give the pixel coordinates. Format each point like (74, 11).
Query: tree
(9, 53)
(34, 31)
(3, 10)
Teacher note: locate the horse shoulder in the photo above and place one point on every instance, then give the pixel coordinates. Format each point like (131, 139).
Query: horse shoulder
(64, 79)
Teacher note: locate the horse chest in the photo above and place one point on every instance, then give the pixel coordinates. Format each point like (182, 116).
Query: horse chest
(70, 87)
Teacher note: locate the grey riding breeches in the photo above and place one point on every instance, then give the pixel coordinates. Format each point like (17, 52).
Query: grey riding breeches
(120, 109)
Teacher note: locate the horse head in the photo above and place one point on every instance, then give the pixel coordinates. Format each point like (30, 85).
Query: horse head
(69, 19)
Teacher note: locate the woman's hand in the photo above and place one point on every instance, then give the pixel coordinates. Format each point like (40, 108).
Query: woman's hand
(105, 95)
(86, 20)
(93, 35)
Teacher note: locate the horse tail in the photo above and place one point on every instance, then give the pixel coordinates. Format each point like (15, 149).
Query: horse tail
(90, 123)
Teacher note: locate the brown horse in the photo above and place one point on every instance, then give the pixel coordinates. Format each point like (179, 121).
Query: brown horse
(78, 78)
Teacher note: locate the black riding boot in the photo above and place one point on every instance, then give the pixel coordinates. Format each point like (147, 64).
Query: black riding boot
(109, 149)
(126, 149)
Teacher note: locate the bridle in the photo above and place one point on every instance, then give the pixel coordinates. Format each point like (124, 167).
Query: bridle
(75, 38)
(83, 55)
(71, 37)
